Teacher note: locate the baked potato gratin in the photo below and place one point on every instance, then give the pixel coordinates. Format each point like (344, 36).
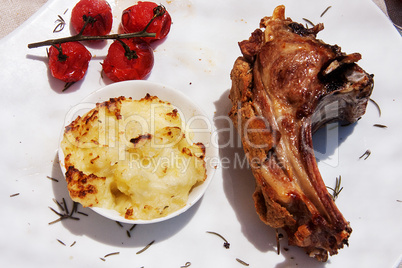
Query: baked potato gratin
(132, 156)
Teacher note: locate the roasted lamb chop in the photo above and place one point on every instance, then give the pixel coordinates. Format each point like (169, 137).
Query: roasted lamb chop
(286, 85)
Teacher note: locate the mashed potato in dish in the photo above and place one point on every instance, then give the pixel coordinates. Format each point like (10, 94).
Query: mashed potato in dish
(132, 156)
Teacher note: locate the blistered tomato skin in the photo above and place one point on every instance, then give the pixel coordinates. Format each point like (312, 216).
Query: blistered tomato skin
(136, 17)
(118, 67)
(99, 10)
(73, 65)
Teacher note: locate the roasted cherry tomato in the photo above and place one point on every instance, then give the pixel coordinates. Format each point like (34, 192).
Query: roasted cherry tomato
(99, 14)
(132, 60)
(69, 62)
(136, 18)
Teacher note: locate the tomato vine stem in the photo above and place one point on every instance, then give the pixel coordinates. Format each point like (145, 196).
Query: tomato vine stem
(87, 20)
(129, 54)
(61, 57)
(80, 37)
(158, 11)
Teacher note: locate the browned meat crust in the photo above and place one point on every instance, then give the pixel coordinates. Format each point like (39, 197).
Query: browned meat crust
(281, 89)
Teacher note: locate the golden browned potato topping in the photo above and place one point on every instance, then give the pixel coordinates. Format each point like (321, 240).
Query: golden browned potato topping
(132, 156)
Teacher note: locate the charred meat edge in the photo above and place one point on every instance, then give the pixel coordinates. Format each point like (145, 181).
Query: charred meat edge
(287, 85)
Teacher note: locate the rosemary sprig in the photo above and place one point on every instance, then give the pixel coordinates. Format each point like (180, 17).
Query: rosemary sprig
(67, 86)
(111, 254)
(82, 213)
(65, 206)
(376, 105)
(309, 22)
(158, 11)
(60, 24)
(380, 125)
(52, 179)
(128, 232)
(132, 227)
(61, 242)
(58, 213)
(325, 11)
(65, 214)
(58, 204)
(226, 244)
(337, 190)
(146, 247)
(242, 262)
(366, 154)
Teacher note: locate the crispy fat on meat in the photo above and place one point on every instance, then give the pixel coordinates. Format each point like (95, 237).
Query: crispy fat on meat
(286, 85)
